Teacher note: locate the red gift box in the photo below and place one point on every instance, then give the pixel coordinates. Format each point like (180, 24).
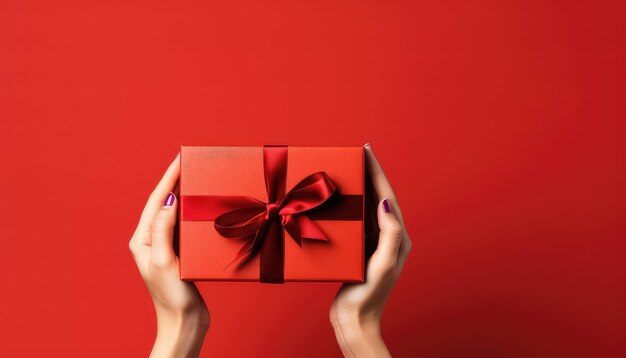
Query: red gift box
(271, 214)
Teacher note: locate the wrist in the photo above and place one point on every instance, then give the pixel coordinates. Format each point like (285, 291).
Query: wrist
(360, 336)
(180, 334)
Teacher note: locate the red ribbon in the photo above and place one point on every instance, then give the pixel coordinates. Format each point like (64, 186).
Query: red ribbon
(257, 222)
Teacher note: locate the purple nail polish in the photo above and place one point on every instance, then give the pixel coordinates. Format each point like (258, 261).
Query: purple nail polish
(169, 200)
(386, 205)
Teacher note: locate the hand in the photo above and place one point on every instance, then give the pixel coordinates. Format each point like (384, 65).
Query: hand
(357, 310)
(182, 316)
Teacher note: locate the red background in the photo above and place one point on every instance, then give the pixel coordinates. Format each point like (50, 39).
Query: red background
(500, 124)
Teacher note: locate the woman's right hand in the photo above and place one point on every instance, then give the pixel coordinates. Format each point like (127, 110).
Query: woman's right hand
(357, 309)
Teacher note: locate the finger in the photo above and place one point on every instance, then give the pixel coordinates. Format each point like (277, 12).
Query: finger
(391, 231)
(379, 180)
(162, 233)
(385, 258)
(166, 185)
(403, 252)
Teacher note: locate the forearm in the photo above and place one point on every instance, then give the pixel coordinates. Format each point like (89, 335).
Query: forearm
(360, 339)
(178, 336)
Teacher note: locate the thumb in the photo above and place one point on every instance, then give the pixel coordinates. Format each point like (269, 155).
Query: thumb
(162, 233)
(391, 230)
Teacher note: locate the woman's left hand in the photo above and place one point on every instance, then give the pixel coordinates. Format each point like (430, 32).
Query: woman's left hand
(182, 316)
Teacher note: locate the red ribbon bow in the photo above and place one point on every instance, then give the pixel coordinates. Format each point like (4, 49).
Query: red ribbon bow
(250, 223)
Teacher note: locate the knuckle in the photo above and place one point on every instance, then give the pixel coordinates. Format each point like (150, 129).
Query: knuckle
(332, 318)
(133, 246)
(409, 244)
(159, 261)
(396, 238)
(394, 228)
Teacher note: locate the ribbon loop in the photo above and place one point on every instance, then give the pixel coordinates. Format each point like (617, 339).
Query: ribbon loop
(309, 193)
(240, 223)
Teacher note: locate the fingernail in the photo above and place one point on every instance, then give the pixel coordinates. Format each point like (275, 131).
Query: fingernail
(169, 200)
(367, 145)
(386, 205)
